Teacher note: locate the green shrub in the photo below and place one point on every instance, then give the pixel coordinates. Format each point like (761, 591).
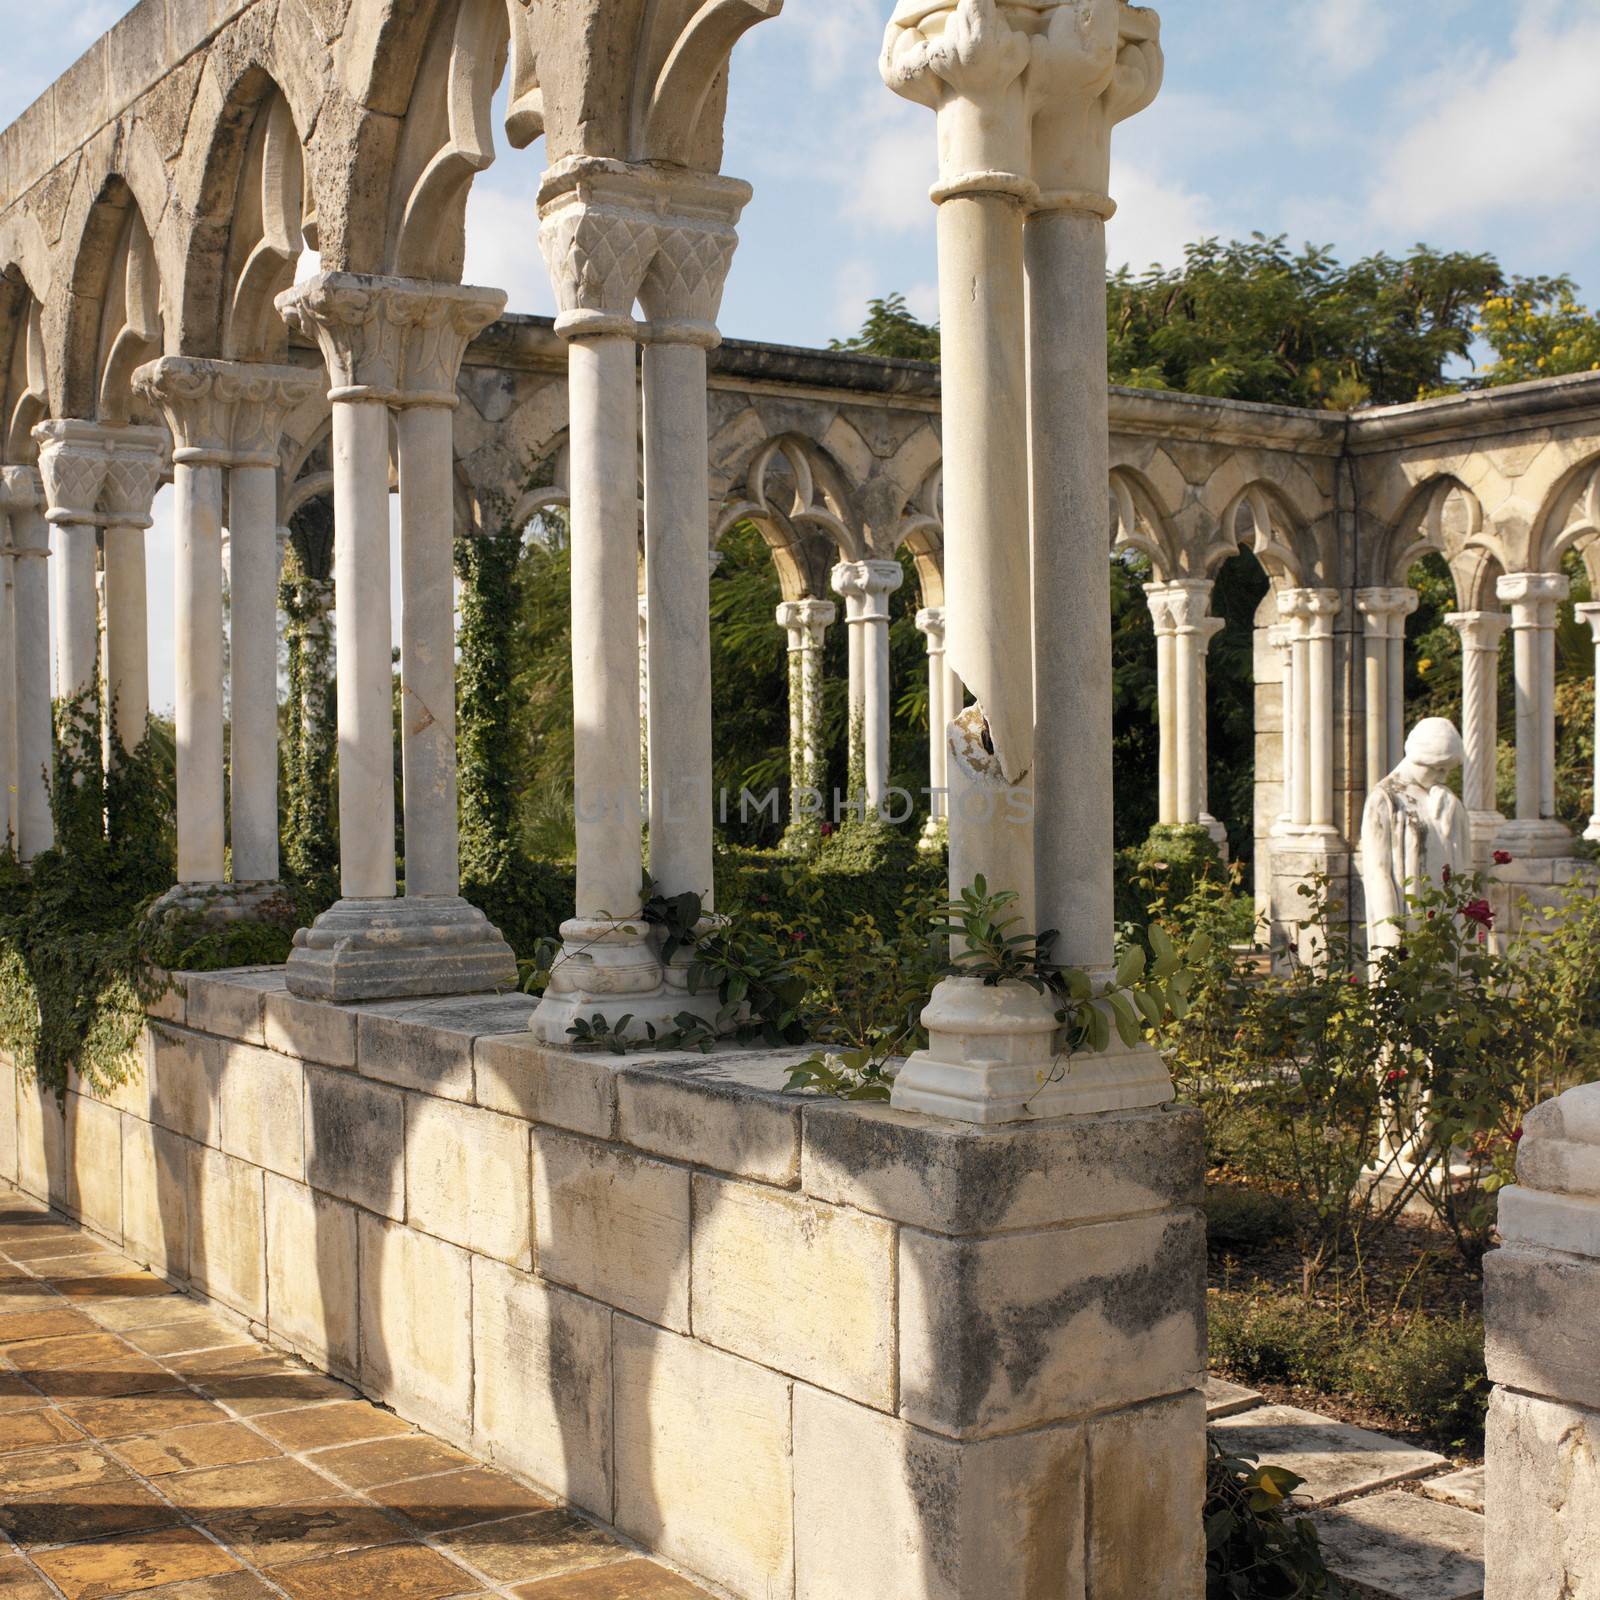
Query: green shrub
(1257, 1547)
(1429, 1372)
(1239, 1217)
(526, 900)
(1269, 1337)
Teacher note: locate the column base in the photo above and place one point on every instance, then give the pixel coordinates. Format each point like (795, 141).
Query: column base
(994, 1056)
(1485, 829)
(217, 904)
(1534, 838)
(398, 948)
(1218, 831)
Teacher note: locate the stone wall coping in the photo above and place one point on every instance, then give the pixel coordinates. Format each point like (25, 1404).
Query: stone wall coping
(723, 1112)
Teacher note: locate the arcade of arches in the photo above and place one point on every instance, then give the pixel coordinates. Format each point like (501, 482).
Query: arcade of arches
(231, 243)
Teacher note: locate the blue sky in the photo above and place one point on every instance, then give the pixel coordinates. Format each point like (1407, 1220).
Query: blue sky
(1364, 124)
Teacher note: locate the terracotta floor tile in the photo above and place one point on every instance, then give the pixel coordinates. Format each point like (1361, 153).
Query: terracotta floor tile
(274, 1536)
(212, 1444)
(18, 1581)
(395, 1572)
(458, 1499)
(91, 1349)
(102, 1266)
(66, 1468)
(29, 1430)
(534, 1546)
(119, 1505)
(17, 1394)
(231, 1586)
(49, 1243)
(277, 1481)
(183, 1333)
(140, 1312)
(632, 1580)
(256, 1394)
(224, 1361)
(138, 1562)
(143, 1414)
(17, 1326)
(365, 1466)
(342, 1422)
(104, 1381)
(105, 1284)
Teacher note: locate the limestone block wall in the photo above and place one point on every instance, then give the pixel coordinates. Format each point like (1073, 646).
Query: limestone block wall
(806, 1349)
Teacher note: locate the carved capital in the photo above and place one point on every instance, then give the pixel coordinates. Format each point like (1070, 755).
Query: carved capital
(1310, 611)
(1479, 630)
(1026, 92)
(98, 475)
(931, 622)
(806, 621)
(1589, 613)
(1384, 611)
(224, 413)
(20, 488)
(399, 341)
(1533, 597)
(866, 586)
(1183, 606)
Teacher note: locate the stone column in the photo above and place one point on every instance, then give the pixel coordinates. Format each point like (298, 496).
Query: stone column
(1166, 704)
(1541, 1288)
(1383, 616)
(1184, 631)
(8, 676)
(942, 710)
(138, 463)
(30, 549)
(1481, 632)
(73, 462)
(842, 581)
(1310, 614)
(394, 342)
(866, 586)
(1533, 597)
(1281, 637)
(600, 228)
(1590, 613)
(806, 622)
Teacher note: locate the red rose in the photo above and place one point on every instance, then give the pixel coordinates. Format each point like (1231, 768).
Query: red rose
(1480, 912)
(1502, 858)
(1516, 1137)
(1447, 874)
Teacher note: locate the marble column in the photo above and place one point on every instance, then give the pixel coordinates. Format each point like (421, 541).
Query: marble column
(30, 549)
(1184, 631)
(8, 677)
(1310, 614)
(1481, 633)
(138, 463)
(394, 343)
(601, 224)
(1590, 613)
(1383, 615)
(806, 623)
(866, 587)
(681, 295)
(942, 710)
(1280, 636)
(1533, 598)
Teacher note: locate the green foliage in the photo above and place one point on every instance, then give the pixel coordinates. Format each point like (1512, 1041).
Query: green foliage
(890, 329)
(309, 840)
(1239, 1217)
(1257, 1547)
(1250, 320)
(1537, 329)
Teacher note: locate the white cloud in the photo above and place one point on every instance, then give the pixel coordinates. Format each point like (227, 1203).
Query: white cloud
(1155, 219)
(1510, 138)
(503, 244)
(885, 174)
(1343, 37)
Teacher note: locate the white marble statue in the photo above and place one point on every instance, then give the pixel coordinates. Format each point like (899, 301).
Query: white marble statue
(1412, 829)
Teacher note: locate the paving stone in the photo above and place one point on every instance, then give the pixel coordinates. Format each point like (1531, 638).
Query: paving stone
(212, 1444)
(396, 1572)
(119, 1505)
(32, 1430)
(534, 1546)
(342, 1422)
(18, 1581)
(276, 1481)
(632, 1580)
(1400, 1546)
(16, 1327)
(142, 1414)
(365, 1466)
(1335, 1459)
(255, 1394)
(1463, 1488)
(1224, 1399)
(231, 1586)
(273, 1535)
(459, 1499)
(72, 1468)
(140, 1561)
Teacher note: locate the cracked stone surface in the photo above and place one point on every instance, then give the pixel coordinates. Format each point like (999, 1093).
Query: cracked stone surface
(1403, 1546)
(149, 1446)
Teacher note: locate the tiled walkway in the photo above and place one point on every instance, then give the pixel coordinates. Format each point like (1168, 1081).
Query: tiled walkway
(150, 1447)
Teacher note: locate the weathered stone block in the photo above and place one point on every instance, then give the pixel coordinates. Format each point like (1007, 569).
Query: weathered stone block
(230, 1003)
(886, 1510)
(1403, 1547)
(172, 1004)
(309, 1029)
(185, 1071)
(542, 1383)
(1146, 1491)
(155, 1199)
(263, 1109)
(355, 1140)
(958, 1179)
(1565, 1222)
(1542, 1498)
(137, 47)
(80, 92)
(416, 1326)
(311, 1273)
(427, 1044)
(523, 1077)
(613, 1225)
(1024, 1329)
(714, 1114)
(94, 1164)
(227, 1231)
(806, 1288)
(1540, 1324)
(467, 1178)
(41, 1143)
(703, 1472)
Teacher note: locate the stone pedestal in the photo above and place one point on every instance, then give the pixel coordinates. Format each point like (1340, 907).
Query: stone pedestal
(1541, 1296)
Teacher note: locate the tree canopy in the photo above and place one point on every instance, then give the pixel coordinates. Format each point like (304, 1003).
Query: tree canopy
(1253, 320)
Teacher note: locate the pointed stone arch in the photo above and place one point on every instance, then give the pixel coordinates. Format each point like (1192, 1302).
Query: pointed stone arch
(1140, 522)
(24, 379)
(1260, 520)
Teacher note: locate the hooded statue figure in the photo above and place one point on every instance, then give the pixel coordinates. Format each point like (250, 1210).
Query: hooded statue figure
(1412, 829)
